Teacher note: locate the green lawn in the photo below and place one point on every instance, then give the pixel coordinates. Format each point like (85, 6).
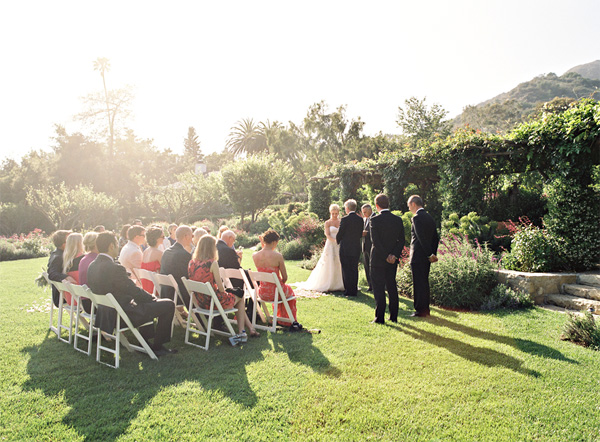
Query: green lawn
(454, 376)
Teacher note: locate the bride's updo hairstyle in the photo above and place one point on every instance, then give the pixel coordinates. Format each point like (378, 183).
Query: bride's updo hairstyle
(270, 236)
(334, 207)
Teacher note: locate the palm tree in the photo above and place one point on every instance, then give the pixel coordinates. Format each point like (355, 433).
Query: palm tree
(103, 65)
(247, 138)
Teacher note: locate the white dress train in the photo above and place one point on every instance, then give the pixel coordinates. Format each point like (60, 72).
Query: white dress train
(327, 274)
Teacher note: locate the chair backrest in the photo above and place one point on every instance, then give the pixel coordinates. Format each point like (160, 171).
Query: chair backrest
(266, 277)
(166, 280)
(79, 290)
(145, 274)
(60, 286)
(199, 287)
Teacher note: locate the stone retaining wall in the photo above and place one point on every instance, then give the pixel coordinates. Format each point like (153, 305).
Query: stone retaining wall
(537, 285)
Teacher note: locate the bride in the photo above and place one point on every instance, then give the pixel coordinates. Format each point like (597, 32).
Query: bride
(327, 274)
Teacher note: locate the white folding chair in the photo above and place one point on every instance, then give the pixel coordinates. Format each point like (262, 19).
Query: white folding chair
(279, 299)
(207, 315)
(141, 274)
(249, 292)
(62, 307)
(161, 280)
(123, 324)
(87, 319)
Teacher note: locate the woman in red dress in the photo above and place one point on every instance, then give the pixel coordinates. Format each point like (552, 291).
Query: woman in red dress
(152, 255)
(204, 267)
(268, 260)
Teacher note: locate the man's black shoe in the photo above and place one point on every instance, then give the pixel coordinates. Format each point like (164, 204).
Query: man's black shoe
(419, 315)
(393, 320)
(375, 321)
(161, 351)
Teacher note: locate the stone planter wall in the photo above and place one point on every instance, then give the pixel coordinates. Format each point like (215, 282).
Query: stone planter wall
(537, 285)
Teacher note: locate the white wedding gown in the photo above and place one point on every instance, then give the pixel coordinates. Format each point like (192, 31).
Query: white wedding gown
(327, 274)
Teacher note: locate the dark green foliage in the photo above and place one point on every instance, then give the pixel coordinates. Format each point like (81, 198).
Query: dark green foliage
(534, 250)
(319, 198)
(296, 249)
(525, 203)
(246, 240)
(472, 226)
(582, 329)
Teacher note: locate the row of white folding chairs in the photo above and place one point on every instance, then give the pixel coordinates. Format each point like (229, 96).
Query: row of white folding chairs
(76, 311)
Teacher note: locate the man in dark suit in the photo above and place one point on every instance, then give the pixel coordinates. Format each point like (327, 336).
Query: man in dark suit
(423, 249)
(387, 236)
(348, 237)
(175, 261)
(228, 257)
(367, 211)
(55, 263)
(107, 276)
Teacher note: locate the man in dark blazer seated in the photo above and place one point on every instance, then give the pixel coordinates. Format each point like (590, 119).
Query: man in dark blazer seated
(55, 263)
(229, 258)
(107, 276)
(387, 236)
(348, 237)
(367, 211)
(175, 261)
(423, 249)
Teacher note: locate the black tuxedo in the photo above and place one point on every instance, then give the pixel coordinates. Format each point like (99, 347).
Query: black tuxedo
(106, 276)
(424, 243)
(175, 261)
(228, 259)
(348, 237)
(55, 272)
(367, 244)
(387, 236)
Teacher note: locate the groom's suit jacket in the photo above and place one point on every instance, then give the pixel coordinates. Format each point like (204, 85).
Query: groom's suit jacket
(387, 237)
(424, 238)
(350, 234)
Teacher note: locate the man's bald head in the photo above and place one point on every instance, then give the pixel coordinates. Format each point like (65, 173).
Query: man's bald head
(184, 235)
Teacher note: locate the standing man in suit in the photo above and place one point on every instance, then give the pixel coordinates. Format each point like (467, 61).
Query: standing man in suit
(367, 211)
(423, 249)
(387, 236)
(107, 276)
(348, 237)
(175, 261)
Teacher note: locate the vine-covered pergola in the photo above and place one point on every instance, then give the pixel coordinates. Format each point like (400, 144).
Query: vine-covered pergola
(563, 147)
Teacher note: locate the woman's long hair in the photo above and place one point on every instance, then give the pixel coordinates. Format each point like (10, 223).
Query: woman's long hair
(206, 249)
(73, 248)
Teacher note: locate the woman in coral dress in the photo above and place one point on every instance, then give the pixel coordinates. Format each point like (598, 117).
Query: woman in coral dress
(268, 260)
(152, 255)
(204, 267)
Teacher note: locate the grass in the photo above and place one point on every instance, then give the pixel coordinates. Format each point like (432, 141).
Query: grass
(455, 376)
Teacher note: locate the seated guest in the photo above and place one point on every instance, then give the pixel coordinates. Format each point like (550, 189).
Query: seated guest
(152, 255)
(198, 233)
(123, 236)
(221, 230)
(269, 260)
(175, 262)
(55, 263)
(172, 238)
(204, 267)
(99, 229)
(89, 244)
(130, 256)
(107, 276)
(71, 257)
(228, 257)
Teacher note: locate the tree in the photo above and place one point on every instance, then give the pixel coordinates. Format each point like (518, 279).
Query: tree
(492, 117)
(254, 183)
(192, 153)
(422, 123)
(73, 208)
(246, 138)
(102, 65)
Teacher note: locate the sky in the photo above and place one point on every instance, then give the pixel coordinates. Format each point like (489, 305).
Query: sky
(212, 64)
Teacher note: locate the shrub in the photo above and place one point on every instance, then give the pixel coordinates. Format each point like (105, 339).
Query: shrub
(533, 250)
(463, 277)
(502, 296)
(472, 226)
(311, 263)
(295, 249)
(32, 245)
(245, 239)
(582, 329)
(260, 226)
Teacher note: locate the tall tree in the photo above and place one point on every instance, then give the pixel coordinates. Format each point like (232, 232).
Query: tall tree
(422, 123)
(192, 153)
(246, 137)
(102, 65)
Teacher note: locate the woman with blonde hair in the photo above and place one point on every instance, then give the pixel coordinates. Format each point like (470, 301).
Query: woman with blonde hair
(269, 260)
(71, 258)
(89, 244)
(204, 267)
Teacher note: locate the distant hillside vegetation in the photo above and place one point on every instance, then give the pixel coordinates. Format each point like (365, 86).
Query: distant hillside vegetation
(502, 112)
(588, 70)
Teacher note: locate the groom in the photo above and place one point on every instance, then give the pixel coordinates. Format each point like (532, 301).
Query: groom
(348, 237)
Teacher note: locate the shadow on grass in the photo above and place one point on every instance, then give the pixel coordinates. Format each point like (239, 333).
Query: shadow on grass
(102, 402)
(480, 355)
(524, 345)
